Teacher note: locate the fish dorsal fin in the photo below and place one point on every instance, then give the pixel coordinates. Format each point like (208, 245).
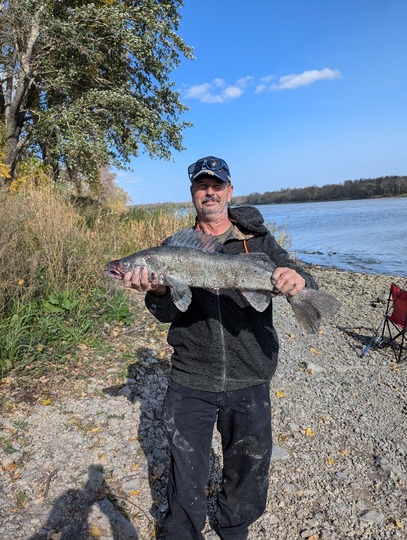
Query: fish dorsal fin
(191, 238)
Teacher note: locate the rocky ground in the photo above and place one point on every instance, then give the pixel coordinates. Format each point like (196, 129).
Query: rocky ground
(83, 450)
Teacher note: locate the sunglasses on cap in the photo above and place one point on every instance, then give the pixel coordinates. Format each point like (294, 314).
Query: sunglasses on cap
(207, 164)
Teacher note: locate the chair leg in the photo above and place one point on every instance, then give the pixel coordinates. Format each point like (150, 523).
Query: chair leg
(401, 346)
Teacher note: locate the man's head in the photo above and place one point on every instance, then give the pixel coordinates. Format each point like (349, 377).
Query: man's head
(211, 187)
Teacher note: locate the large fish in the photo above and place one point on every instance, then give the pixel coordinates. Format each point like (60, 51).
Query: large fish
(193, 259)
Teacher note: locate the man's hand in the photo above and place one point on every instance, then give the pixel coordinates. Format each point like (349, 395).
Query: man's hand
(139, 280)
(287, 281)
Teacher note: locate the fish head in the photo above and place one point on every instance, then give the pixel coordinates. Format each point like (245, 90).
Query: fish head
(119, 267)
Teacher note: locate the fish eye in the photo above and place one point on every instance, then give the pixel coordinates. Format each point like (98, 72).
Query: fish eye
(125, 264)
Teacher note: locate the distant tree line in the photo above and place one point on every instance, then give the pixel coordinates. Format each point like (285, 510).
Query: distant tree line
(386, 186)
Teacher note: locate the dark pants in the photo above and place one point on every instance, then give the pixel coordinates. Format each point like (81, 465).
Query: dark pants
(244, 422)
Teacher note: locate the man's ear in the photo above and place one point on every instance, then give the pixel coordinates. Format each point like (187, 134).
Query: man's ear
(230, 189)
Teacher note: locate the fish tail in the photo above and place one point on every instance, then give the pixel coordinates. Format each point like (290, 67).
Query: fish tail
(310, 305)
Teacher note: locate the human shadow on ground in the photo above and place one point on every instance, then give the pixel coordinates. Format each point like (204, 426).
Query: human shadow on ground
(68, 519)
(146, 384)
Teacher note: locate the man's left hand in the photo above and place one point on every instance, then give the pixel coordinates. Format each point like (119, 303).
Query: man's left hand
(287, 281)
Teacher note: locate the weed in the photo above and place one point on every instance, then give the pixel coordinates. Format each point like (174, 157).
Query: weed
(8, 448)
(21, 498)
(21, 426)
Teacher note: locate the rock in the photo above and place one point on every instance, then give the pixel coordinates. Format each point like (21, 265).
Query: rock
(131, 485)
(316, 368)
(278, 453)
(392, 471)
(372, 516)
(125, 391)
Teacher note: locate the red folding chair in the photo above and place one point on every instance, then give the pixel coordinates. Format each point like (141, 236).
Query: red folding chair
(395, 325)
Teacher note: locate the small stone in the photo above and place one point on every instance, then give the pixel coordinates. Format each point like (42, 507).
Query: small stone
(125, 391)
(342, 475)
(278, 453)
(372, 516)
(316, 368)
(131, 485)
(289, 488)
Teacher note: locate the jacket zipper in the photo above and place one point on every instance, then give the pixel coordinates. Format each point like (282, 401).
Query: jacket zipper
(221, 330)
(222, 342)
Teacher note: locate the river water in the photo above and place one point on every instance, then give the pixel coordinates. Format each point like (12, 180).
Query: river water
(368, 235)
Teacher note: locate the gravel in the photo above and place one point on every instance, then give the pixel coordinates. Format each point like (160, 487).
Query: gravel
(86, 456)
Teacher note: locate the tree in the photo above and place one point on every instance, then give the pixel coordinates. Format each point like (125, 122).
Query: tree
(84, 85)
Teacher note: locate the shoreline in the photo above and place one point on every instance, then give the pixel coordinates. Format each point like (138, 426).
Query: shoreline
(87, 452)
(326, 267)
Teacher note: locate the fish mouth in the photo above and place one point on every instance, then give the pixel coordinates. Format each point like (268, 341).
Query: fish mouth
(113, 270)
(116, 274)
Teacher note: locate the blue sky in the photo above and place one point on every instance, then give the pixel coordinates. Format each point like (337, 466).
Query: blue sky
(290, 94)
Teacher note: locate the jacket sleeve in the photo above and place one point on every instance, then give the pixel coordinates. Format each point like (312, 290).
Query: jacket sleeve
(281, 258)
(162, 307)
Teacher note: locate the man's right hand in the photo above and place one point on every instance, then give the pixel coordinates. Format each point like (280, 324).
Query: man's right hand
(139, 280)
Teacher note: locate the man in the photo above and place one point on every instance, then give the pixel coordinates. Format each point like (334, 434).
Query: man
(225, 353)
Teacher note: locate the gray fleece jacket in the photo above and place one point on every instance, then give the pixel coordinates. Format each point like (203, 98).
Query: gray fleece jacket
(221, 343)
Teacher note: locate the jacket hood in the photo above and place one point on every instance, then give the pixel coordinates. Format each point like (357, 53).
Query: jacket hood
(249, 218)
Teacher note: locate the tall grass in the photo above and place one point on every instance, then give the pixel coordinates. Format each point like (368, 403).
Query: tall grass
(52, 256)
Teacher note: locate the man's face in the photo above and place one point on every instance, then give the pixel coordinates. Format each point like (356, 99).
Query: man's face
(211, 197)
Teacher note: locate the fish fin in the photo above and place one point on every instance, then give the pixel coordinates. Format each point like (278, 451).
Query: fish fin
(310, 305)
(191, 238)
(181, 294)
(259, 300)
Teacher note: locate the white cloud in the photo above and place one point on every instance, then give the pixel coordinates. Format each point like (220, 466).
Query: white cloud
(218, 82)
(263, 84)
(243, 82)
(218, 91)
(260, 88)
(305, 78)
(232, 92)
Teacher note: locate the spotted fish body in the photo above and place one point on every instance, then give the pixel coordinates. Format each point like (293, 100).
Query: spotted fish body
(191, 259)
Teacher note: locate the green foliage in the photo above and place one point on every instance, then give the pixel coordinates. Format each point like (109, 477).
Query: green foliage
(48, 329)
(116, 307)
(92, 82)
(15, 337)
